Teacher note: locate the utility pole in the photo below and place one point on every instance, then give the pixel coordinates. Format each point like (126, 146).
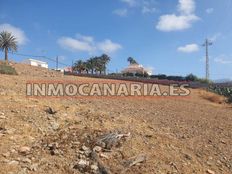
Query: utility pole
(57, 62)
(206, 45)
(72, 66)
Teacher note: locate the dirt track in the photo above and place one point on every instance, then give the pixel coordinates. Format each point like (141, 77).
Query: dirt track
(191, 135)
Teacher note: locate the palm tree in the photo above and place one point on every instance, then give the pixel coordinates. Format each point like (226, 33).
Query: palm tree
(91, 64)
(105, 60)
(131, 60)
(99, 66)
(79, 66)
(88, 66)
(7, 43)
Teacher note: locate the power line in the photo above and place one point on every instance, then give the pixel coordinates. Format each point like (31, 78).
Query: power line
(26, 55)
(40, 56)
(206, 45)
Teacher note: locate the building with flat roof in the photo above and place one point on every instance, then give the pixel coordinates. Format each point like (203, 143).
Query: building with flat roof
(34, 62)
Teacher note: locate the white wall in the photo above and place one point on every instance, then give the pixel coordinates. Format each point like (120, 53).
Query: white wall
(35, 63)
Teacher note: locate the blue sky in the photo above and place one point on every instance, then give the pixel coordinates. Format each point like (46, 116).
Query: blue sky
(165, 35)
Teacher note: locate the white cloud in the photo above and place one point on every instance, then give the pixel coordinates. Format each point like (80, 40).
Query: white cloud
(148, 9)
(120, 12)
(148, 6)
(186, 7)
(17, 32)
(87, 44)
(173, 22)
(190, 48)
(223, 59)
(74, 44)
(88, 39)
(131, 3)
(209, 10)
(145, 6)
(108, 46)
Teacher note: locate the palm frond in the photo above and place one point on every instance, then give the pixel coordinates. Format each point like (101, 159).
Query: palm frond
(8, 41)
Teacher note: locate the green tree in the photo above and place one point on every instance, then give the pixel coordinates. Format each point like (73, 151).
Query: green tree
(131, 60)
(87, 66)
(105, 59)
(79, 66)
(95, 64)
(7, 43)
(191, 77)
(91, 64)
(99, 65)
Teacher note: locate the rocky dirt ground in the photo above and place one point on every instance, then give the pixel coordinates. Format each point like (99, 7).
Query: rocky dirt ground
(160, 136)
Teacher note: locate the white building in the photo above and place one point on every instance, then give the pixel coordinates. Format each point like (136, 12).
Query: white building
(136, 68)
(34, 62)
(66, 69)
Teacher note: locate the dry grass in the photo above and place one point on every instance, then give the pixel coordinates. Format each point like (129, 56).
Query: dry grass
(212, 97)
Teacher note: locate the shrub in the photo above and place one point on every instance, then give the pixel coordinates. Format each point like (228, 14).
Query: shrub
(176, 78)
(135, 75)
(159, 76)
(191, 77)
(141, 75)
(225, 91)
(204, 81)
(7, 69)
(128, 74)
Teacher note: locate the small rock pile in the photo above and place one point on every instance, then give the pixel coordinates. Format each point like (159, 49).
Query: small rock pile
(91, 149)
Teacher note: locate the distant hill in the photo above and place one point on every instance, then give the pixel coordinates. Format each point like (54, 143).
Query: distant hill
(223, 81)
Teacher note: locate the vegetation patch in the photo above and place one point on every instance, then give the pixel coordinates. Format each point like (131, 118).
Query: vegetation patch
(189, 78)
(7, 69)
(225, 91)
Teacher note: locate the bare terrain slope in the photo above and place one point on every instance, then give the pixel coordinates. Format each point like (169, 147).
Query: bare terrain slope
(167, 136)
